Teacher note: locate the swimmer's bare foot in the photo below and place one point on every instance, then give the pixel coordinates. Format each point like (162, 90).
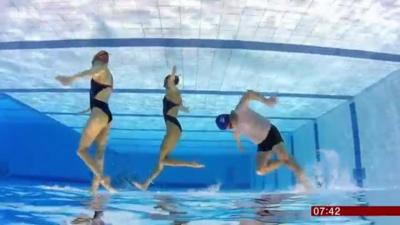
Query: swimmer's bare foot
(95, 185)
(308, 189)
(196, 165)
(84, 219)
(106, 183)
(140, 186)
(304, 181)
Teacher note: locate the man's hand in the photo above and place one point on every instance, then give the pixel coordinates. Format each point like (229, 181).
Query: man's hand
(271, 101)
(252, 94)
(240, 147)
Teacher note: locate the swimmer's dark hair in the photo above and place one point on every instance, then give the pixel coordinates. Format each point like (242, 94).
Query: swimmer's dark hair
(176, 81)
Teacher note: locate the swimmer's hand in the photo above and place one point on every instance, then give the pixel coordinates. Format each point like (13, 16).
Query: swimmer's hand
(239, 146)
(65, 80)
(84, 111)
(250, 94)
(184, 108)
(173, 71)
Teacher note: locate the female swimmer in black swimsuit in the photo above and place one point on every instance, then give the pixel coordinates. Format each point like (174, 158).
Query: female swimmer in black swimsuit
(172, 103)
(99, 123)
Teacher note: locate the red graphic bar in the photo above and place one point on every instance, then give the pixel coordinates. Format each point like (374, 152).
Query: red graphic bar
(355, 210)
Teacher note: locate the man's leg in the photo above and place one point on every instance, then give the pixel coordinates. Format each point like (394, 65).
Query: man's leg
(265, 164)
(284, 157)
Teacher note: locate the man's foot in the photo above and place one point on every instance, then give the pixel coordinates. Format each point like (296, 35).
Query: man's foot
(140, 186)
(304, 181)
(106, 183)
(197, 165)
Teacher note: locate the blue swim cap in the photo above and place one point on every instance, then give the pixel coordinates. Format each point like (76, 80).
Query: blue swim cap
(223, 121)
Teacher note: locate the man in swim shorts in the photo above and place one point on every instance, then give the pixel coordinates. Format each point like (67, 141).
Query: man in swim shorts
(243, 120)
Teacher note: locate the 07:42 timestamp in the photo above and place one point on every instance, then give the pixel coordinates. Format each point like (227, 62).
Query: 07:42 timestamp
(325, 211)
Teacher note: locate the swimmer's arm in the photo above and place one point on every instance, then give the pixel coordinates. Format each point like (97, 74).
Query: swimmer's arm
(252, 95)
(271, 101)
(173, 72)
(84, 111)
(236, 134)
(244, 101)
(175, 96)
(66, 80)
(90, 72)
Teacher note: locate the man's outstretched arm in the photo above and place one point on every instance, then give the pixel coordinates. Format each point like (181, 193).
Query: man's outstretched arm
(252, 95)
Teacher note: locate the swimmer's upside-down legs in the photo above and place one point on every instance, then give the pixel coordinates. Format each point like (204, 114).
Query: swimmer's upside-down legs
(168, 144)
(271, 166)
(265, 165)
(95, 130)
(100, 143)
(180, 163)
(157, 170)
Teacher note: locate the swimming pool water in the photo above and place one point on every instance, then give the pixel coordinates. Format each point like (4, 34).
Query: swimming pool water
(26, 202)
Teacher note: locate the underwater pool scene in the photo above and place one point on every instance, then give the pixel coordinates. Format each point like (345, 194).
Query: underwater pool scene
(198, 112)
